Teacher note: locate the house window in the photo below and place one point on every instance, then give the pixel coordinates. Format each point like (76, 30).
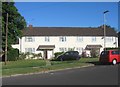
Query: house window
(47, 39)
(62, 39)
(30, 50)
(62, 49)
(109, 39)
(93, 39)
(79, 39)
(112, 38)
(71, 49)
(29, 39)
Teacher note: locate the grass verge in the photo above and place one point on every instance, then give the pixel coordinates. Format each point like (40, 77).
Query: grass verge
(32, 66)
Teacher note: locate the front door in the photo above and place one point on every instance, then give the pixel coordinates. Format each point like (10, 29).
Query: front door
(45, 54)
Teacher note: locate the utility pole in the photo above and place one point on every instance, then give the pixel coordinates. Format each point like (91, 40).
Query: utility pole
(6, 40)
(105, 29)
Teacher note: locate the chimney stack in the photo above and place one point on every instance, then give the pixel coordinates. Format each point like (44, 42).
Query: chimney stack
(30, 26)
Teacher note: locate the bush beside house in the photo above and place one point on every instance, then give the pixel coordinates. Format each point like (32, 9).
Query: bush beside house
(13, 54)
(57, 54)
(29, 56)
(112, 48)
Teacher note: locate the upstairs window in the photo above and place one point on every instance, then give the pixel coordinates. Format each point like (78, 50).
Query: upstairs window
(47, 39)
(93, 39)
(62, 39)
(29, 39)
(109, 39)
(79, 39)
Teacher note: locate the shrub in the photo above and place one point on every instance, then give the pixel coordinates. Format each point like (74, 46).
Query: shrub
(29, 56)
(39, 55)
(112, 48)
(12, 54)
(58, 53)
(95, 53)
(84, 55)
(21, 56)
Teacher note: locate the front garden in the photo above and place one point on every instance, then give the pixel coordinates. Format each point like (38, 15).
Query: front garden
(18, 64)
(38, 65)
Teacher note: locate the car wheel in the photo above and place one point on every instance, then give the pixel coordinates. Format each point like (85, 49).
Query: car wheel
(61, 59)
(114, 62)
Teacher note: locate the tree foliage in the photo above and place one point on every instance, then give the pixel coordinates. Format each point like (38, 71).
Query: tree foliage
(16, 23)
(0, 27)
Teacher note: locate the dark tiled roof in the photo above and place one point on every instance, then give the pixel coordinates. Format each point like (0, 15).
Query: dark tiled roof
(67, 31)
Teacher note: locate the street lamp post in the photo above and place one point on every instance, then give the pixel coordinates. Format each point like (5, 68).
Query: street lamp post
(105, 28)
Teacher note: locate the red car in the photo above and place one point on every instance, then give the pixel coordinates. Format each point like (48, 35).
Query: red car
(110, 56)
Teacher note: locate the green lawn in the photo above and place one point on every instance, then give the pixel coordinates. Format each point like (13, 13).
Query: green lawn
(30, 66)
(23, 64)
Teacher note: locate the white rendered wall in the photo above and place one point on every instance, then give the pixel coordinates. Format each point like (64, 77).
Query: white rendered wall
(71, 42)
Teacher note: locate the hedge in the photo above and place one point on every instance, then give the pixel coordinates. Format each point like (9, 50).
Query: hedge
(13, 54)
(58, 53)
(112, 48)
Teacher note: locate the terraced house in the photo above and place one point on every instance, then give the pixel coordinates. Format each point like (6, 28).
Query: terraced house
(49, 40)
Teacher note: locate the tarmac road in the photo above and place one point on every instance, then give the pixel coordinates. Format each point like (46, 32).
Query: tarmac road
(95, 75)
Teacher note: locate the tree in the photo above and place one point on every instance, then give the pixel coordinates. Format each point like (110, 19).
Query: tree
(12, 25)
(0, 28)
(107, 26)
(16, 23)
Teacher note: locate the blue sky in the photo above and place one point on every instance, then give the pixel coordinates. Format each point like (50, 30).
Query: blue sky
(68, 14)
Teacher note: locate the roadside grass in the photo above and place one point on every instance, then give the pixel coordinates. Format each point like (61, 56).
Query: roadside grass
(23, 64)
(0, 68)
(32, 66)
